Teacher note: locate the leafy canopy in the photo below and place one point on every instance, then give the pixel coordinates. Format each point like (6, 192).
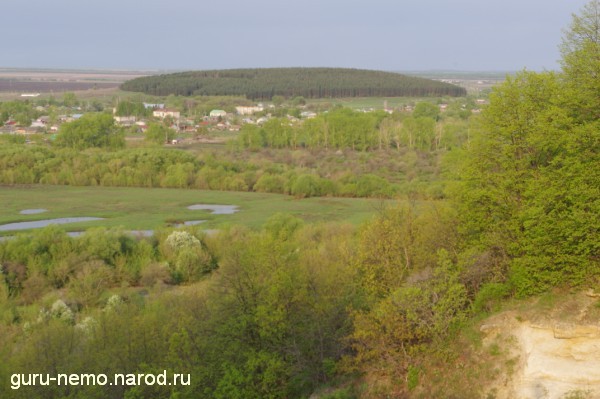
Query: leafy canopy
(91, 130)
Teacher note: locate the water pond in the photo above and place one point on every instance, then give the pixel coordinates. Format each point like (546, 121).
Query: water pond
(32, 211)
(38, 224)
(216, 209)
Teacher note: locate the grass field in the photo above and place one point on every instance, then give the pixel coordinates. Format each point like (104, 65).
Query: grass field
(151, 208)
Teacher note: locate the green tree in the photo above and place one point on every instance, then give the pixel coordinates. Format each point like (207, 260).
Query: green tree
(91, 130)
(159, 133)
(524, 192)
(401, 326)
(129, 108)
(580, 62)
(426, 110)
(70, 100)
(278, 100)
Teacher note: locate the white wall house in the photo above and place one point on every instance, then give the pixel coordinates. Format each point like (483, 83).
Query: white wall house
(248, 110)
(163, 113)
(215, 113)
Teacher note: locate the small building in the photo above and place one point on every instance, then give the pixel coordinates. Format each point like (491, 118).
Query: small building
(154, 106)
(162, 113)
(248, 110)
(216, 113)
(38, 125)
(125, 120)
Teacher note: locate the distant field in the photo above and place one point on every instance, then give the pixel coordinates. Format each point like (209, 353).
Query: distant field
(15, 81)
(476, 83)
(8, 85)
(145, 208)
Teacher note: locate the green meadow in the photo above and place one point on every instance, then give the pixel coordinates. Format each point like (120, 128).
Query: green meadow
(151, 208)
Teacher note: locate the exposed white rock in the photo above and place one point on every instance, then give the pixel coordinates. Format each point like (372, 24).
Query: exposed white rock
(558, 362)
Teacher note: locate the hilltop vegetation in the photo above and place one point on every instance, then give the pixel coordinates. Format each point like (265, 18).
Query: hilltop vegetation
(263, 84)
(294, 309)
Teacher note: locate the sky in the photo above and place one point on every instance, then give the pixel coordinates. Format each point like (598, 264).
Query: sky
(393, 35)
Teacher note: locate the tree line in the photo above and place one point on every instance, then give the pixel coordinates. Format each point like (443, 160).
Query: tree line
(263, 84)
(178, 169)
(343, 128)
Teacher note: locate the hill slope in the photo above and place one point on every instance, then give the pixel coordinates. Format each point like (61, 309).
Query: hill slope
(291, 82)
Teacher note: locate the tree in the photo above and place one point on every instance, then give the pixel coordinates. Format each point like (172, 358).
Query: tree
(427, 110)
(400, 326)
(70, 100)
(129, 108)
(524, 192)
(581, 61)
(159, 133)
(278, 100)
(91, 130)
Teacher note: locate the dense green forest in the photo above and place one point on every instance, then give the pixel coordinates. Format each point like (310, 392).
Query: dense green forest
(295, 309)
(263, 84)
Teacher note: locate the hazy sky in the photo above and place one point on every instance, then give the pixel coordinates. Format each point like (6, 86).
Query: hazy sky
(200, 34)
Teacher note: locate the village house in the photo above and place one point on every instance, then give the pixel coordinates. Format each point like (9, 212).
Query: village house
(162, 113)
(216, 113)
(38, 124)
(153, 106)
(125, 120)
(308, 114)
(248, 110)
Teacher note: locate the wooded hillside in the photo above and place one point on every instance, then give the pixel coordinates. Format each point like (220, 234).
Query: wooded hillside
(261, 84)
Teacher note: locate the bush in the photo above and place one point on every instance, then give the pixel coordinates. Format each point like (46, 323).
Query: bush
(306, 186)
(188, 260)
(489, 297)
(270, 184)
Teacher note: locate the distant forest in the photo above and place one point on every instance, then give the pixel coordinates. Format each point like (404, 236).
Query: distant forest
(263, 84)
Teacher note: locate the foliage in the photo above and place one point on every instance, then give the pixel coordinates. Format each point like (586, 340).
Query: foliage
(580, 51)
(294, 308)
(187, 258)
(248, 331)
(159, 133)
(20, 111)
(529, 183)
(426, 110)
(303, 173)
(132, 108)
(343, 128)
(91, 130)
(398, 328)
(267, 84)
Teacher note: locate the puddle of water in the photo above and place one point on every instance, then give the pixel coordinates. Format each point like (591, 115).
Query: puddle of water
(33, 211)
(136, 233)
(189, 223)
(216, 209)
(38, 224)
